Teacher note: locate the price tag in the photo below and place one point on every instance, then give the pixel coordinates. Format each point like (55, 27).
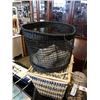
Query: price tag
(74, 89)
(83, 88)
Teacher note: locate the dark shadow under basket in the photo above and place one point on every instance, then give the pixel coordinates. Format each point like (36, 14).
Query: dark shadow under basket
(49, 44)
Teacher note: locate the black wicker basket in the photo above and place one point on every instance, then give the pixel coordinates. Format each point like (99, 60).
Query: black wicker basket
(49, 44)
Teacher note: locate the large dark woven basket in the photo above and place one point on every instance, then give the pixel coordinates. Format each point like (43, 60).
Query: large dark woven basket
(49, 44)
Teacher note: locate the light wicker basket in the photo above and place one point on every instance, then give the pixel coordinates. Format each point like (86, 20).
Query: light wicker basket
(53, 84)
(79, 78)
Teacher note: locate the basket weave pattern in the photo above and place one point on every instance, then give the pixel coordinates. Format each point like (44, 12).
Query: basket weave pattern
(49, 85)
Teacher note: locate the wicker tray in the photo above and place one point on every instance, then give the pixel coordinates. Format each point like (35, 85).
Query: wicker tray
(53, 84)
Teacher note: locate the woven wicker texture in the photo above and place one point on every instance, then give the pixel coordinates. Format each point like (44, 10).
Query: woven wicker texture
(78, 78)
(49, 57)
(52, 84)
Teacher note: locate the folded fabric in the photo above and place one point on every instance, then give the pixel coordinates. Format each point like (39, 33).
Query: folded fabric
(62, 54)
(46, 61)
(50, 57)
(46, 51)
(63, 58)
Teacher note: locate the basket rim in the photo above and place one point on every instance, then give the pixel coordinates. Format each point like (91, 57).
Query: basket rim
(68, 73)
(50, 78)
(46, 33)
